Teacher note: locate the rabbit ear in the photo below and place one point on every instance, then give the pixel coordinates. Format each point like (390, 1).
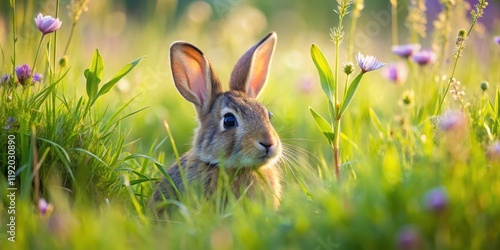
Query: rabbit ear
(193, 75)
(250, 72)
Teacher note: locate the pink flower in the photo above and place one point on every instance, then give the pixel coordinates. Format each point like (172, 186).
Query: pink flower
(45, 208)
(47, 24)
(405, 50)
(424, 57)
(368, 63)
(397, 73)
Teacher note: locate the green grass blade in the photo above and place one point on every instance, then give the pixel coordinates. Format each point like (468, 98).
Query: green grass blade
(92, 155)
(63, 155)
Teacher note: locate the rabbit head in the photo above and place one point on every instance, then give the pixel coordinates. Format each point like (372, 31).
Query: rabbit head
(234, 129)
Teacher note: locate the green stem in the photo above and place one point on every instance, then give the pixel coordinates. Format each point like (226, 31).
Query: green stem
(55, 42)
(336, 79)
(346, 85)
(450, 80)
(394, 15)
(69, 38)
(336, 148)
(36, 55)
(14, 38)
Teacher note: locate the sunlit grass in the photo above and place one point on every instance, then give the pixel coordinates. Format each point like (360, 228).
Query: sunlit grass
(98, 164)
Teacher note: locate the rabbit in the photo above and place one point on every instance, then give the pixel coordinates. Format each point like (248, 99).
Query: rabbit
(234, 130)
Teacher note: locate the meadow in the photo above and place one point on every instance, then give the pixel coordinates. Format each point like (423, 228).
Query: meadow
(396, 147)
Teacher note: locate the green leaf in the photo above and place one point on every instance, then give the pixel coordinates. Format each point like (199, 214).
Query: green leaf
(123, 72)
(94, 75)
(323, 126)
(324, 70)
(350, 93)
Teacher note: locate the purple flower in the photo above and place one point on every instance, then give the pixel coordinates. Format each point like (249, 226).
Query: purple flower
(44, 208)
(10, 121)
(493, 152)
(424, 57)
(496, 39)
(47, 24)
(396, 73)
(408, 238)
(436, 199)
(368, 63)
(23, 74)
(5, 78)
(452, 121)
(405, 50)
(37, 77)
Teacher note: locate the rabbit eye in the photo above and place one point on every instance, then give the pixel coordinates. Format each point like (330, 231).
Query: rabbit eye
(270, 114)
(230, 121)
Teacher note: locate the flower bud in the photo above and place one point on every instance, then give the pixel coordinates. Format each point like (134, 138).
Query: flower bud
(484, 86)
(407, 97)
(63, 61)
(348, 68)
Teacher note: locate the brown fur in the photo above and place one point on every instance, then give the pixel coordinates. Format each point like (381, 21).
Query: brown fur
(248, 151)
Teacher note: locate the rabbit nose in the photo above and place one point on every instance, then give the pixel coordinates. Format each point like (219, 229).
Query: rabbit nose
(266, 145)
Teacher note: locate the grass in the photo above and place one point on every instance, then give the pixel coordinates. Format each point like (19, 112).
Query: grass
(410, 178)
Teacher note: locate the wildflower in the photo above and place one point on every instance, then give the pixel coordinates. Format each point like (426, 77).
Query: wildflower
(348, 68)
(436, 199)
(5, 79)
(368, 63)
(37, 77)
(496, 39)
(10, 121)
(456, 91)
(44, 207)
(424, 57)
(47, 24)
(23, 74)
(405, 51)
(408, 238)
(484, 86)
(452, 121)
(460, 43)
(396, 73)
(493, 152)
